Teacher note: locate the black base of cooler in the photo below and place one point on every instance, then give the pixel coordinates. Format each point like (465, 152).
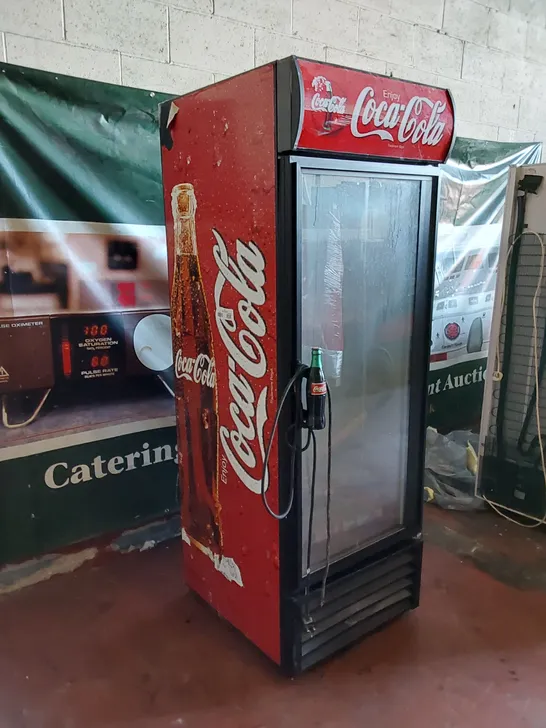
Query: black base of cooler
(356, 604)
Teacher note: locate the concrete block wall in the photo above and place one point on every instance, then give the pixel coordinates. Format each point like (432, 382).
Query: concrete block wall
(490, 53)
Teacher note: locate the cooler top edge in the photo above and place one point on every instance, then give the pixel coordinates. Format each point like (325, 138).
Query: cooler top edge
(295, 59)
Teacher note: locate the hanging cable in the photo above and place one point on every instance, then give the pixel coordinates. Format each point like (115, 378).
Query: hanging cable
(296, 448)
(299, 374)
(328, 498)
(307, 619)
(14, 425)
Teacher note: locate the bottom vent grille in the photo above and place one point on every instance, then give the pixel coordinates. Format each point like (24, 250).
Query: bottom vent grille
(359, 603)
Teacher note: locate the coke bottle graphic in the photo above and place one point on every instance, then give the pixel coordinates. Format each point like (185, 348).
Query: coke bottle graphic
(195, 383)
(316, 392)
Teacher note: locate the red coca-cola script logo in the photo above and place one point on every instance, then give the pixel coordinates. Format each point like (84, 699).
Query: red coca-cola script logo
(345, 110)
(200, 369)
(242, 330)
(318, 388)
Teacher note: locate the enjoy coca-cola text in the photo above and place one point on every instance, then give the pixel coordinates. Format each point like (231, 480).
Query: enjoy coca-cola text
(243, 440)
(348, 111)
(412, 126)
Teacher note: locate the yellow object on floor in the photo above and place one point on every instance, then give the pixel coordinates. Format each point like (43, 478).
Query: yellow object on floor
(471, 459)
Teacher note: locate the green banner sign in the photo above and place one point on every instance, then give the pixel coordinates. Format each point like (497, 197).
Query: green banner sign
(87, 436)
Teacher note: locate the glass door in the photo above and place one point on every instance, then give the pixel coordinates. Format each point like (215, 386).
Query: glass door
(358, 238)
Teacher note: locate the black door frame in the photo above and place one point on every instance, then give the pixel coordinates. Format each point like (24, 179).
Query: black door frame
(289, 344)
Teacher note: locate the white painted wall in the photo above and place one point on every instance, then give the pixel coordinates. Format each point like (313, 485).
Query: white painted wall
(490, 53)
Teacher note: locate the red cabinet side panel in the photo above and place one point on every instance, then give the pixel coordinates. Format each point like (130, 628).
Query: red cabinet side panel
(224, 153)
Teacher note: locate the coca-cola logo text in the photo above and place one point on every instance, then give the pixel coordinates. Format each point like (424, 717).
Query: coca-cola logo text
(349, 111)
(412, 124)
(318, 388)
(335, 105)
(243, 440)
(200, 369)
(371, 117)
(324, 100)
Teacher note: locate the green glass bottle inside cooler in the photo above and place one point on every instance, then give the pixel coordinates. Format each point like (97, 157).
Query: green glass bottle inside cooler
(316, 392)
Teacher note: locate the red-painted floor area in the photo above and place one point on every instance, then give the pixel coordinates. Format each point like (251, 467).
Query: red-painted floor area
(121, 643)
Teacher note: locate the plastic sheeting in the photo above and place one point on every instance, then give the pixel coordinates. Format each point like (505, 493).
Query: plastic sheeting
(450, 470)
(472, 194)
(324, 279)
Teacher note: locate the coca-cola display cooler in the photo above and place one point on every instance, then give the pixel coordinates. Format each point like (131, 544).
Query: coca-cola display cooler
(300, 203)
